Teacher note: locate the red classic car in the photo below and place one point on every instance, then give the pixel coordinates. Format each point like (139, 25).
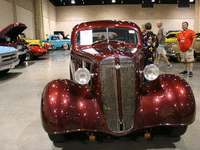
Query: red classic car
(107, 91)
(35, 51)
(9, 37)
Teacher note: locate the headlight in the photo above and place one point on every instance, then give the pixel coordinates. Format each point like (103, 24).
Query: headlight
(82, 76)
(19, 47)
(151, 72)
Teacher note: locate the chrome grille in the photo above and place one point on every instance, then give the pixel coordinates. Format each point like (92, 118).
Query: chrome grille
(9, 57)
(127, 79)
(109, 92)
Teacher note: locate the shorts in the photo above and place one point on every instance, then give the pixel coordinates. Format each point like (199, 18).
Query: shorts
(187, 56)
(161, 49)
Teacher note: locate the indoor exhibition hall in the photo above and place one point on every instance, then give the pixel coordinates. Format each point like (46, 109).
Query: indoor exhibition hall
(99, 75)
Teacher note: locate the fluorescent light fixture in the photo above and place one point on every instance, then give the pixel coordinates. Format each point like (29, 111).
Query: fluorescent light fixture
(113, 1)
(72, 1)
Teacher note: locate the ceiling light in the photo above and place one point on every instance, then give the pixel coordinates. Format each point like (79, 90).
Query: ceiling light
(72, 1)
(153, 1)
(191, 1)
(113, 1)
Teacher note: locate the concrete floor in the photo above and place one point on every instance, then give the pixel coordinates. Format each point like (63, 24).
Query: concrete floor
(20, 97)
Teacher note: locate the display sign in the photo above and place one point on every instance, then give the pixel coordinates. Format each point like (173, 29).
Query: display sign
(86, 37)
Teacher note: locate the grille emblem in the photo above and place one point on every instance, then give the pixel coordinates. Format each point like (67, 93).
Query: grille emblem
(117, 66)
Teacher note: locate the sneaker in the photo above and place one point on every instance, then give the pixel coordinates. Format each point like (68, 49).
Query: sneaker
(183, 72)
(169, 66)
(190, 74)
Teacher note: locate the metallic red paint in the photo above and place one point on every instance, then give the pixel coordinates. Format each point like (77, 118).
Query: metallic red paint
(37, 50)
(69, 107)
(168, 100)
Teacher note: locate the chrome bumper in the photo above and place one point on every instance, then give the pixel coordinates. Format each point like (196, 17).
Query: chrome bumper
(9, 65)
(170, 52)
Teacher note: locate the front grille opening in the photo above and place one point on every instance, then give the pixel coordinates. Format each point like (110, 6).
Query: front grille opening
(121, 126)
(6, 56)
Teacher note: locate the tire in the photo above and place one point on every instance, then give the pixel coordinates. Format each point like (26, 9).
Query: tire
(22, 58)
(57, 137)
(29, 56)
(175, 131)
(66, 47)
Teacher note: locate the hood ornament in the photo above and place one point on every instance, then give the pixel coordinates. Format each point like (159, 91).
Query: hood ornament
(117, 66)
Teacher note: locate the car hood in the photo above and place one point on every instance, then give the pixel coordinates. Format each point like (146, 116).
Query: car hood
(109, 49)
(7, 49)
(13, 30)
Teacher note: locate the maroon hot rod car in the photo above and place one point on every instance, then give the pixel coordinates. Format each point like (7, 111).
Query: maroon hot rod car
(107, 92)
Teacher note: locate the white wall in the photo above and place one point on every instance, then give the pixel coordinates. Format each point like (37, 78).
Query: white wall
(24, 13)
(170, 15)
(27, 17)
(64, 18)
(6, 14)
(49, 18)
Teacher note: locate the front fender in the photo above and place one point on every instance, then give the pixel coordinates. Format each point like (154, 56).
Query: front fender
(168, 100)
(67, 107)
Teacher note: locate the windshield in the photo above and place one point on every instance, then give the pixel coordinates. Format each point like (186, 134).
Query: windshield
(107, 35)
(54, 38)
(172, 36)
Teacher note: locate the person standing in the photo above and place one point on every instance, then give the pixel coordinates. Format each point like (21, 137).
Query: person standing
(186, 40)
(161, 40)
(150, 43)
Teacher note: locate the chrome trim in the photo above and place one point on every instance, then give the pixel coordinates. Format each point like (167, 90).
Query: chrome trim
(108, 78)
(9, 65)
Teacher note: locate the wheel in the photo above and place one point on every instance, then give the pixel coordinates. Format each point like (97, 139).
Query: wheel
(29, 56)
(175, 131)
(66, 46)
(22, 58)
(57, 137)
(4, 71)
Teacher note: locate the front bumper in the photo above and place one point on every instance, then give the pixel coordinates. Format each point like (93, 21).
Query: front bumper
(22, 52)
(9, 65)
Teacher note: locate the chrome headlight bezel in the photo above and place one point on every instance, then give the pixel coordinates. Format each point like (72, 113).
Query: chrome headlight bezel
(82, 76)
(151, 72)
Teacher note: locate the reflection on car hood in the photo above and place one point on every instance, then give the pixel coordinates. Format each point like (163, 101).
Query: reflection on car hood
(109, 48)
(7, 49)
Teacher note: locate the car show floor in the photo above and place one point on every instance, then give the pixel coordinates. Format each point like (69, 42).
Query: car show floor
(20, 124)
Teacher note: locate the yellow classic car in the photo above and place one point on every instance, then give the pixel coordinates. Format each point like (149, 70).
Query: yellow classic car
(47, 46)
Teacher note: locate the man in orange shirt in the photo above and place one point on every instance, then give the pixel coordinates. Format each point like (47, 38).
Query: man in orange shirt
(186, 40)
